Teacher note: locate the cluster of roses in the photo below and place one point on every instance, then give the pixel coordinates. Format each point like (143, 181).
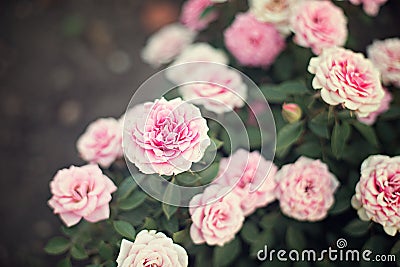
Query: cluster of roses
(166, 137)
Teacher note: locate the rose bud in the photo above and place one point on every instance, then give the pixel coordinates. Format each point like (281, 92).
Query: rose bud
(291, 112)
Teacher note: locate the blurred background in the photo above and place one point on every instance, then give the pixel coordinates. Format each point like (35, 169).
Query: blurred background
(63, 64)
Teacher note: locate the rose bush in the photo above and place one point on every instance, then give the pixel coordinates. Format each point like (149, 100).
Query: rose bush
(336, 143)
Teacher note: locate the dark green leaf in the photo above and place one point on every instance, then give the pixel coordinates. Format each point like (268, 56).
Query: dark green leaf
(254, 135)
(249, 232)
(207, 11)
(225, 255)
(288, 135)
(293, 88)
(78, 252)
(342, 202)
(208, 175)
(126, 188)
(310, 149)
(105, 251)
(218, 143)
(269, 220)
(170, 196)
(392, 113)
(265, 238)
(134, 201)
(125, 229)
(356, 228)
(149, 224)
(340, 134)
(181, 236)
(396, 248)
(295, 238)
(368, 132)
(320, 130)
(170, 225)
(273, 94)
(57, 245)
(64, 263)
(187, 178)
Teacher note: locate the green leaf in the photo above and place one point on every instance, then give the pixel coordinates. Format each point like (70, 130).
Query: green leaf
(249, 232)
(225, 255)
(57, 245)
(264, 238)
(295, 238)
(171, 225)
(218, 143)
(254, 135)
(125, 229)
(134, 201)
(126, 188)
(269, 220)
(319, 129)
(288, 135)
(340, 134)
(207, 175)
(78, 252)
(396, 248)
(273, 94)
(149, 224)
(64, 263)
(187, 178)
(294, 88)
(356, 228)
(170, 196)
(368, 132)
(310, 149)
(392, 113)
(342, 201)
(181, 236)
(106, 251)
(207, 11)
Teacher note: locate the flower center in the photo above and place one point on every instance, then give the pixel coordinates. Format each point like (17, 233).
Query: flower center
(151, 263)
(391, 189)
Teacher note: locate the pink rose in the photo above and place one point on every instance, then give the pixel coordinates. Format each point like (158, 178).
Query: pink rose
(386, 57)
(306, 189)
(347, 78)
(245, 171)
(218, 222)
(318, 24)
(151, 249)
(102, 142)
(253, 43)
(198, 52)
(377, 195)
(371, 7)
(165, 137)
(224, 91)
(81, 192)
(192, 11)
(276, 12)
(385, 105)
(164, 45)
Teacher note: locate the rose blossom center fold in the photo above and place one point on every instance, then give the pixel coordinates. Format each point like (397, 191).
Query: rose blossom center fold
(389, 188)
(80, 191)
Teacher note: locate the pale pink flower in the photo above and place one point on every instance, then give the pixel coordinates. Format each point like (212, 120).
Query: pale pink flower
(164, 45)
(192, 14)
(215, 220)
(221, 89)
(385, 55)
(251, 177)
(101, 143)
(377, 195)
(318, 25)
(306, 189)
(291, 112)
(371, 7)
(253, 43)
(276, 12)
(347, 78)
(165, 137)
(81, 192)
(151, 249)
(385, 105)
(197, 52)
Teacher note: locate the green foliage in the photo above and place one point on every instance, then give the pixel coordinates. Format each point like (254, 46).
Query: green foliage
(57, 245)
(125, 229)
